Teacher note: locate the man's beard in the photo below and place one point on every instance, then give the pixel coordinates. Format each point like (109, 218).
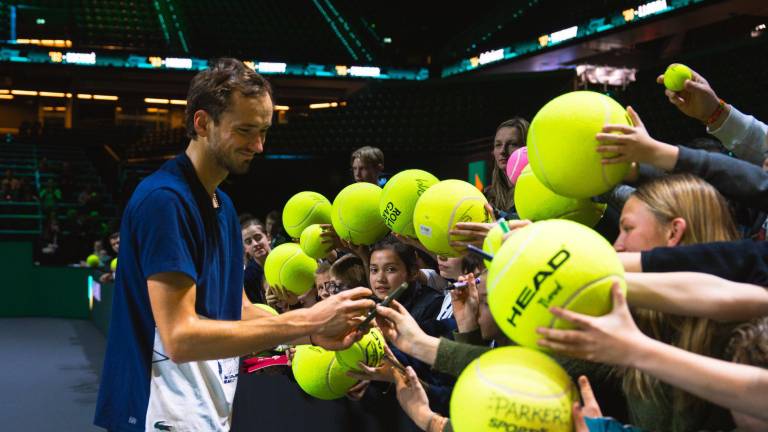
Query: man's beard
(228, 161)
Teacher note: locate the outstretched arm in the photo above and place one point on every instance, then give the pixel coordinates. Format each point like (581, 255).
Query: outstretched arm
(188, 337)
(615, 339)
(696, 294)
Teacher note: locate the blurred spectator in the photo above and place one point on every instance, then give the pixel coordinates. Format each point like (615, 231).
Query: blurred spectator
(67, 180)
(114, 243)
(43, 166)
(367, 163)
(50, 196)
(10, 186)
(275, 229)
(50, 235)
(27, 191)
(85, 196)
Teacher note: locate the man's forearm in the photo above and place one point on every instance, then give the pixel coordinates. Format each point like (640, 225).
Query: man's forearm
(202, 339)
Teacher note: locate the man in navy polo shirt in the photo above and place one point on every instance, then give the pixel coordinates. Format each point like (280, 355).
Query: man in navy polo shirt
(180, 319)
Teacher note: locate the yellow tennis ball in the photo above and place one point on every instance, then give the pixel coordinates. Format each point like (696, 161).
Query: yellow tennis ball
(513, 389)
(355, 214)
(113, 264)
(304, 209)
(318, 374)
(267, 308)
(338, 381)
(369, 350)
(550, 263)
(92, 260)
(536, 202)
(440, 208)
(399, 196)
(289, 267)
(561, 144)
(312, 244)
(493, 241)
(675, 76)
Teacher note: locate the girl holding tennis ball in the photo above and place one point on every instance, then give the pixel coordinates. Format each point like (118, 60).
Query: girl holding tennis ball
(670, 211)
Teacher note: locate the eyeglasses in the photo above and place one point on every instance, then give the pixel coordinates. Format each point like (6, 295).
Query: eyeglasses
(333, 287)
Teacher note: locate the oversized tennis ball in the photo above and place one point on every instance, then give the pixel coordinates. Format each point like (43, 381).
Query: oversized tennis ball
(493, 241)
(338, 381)
(355, 214)
(399, 196)
(369, 350)
(550, 263)
(440, 208)
(513, 389)
(561, 144)
(318, 374)
(289, 267)
(267, 308)
(304, 209)
(516, 162)
(113, 264)
(675, 76)
(536, 202)
(92, 260)
(312, 244)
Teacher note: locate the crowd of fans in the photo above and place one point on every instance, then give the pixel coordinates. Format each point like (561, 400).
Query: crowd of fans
(665, 357)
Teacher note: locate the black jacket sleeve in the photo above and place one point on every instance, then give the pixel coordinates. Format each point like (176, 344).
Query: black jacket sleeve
(734, 178)
(739, 261)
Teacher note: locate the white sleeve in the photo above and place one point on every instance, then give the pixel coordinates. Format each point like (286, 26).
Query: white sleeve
(434, 280)
(744, 135)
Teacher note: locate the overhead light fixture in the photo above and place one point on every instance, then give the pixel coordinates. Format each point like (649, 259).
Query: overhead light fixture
(491, 56)
(84, 96)
(282, 107)
(51, 94)
(651, 8)
(270, 67)
(178, 102)
(563, 35)
(323, 105)
(6, 96)
(364, 71)
(105, 97)
(24, 92)
(157, 101)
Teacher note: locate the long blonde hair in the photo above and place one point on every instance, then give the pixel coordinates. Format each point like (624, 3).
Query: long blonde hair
(708, 219)
(501, 193)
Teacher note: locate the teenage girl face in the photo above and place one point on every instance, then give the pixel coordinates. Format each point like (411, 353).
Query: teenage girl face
(256, 242)
(506, 141)
(387, 272)
(450, 268)
(640, 230)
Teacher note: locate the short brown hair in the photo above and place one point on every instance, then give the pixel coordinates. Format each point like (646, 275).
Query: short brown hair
(368, 155)
(212, 88)
(349, 270)
(749, 343)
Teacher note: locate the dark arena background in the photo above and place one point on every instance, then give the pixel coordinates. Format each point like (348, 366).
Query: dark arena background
(93, 97)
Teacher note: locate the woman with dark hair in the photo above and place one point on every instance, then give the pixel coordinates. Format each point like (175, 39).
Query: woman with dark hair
(510, 136)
